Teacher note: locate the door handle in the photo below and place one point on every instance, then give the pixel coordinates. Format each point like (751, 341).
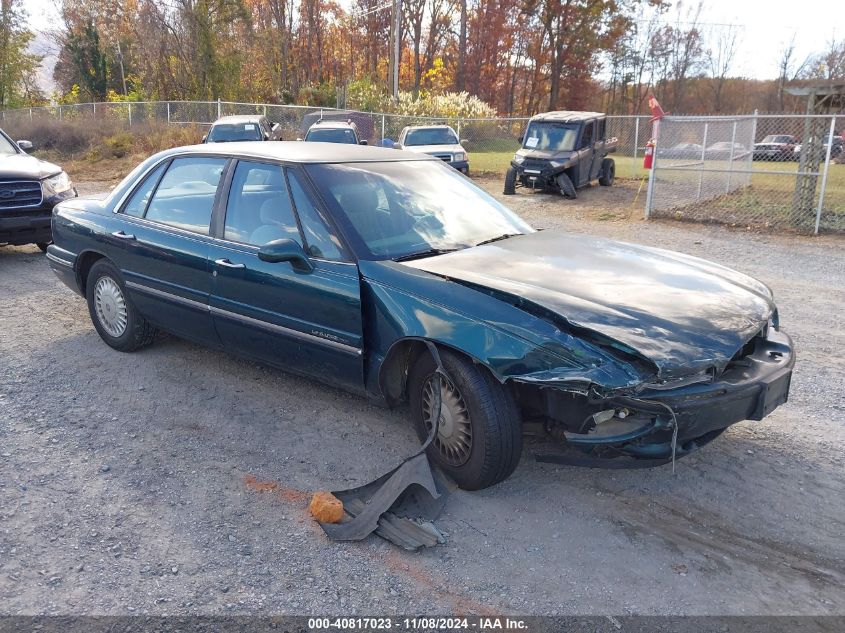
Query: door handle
(123, 236)
(226, 263)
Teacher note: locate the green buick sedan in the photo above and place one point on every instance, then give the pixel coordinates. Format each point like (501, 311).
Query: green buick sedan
(390, 274)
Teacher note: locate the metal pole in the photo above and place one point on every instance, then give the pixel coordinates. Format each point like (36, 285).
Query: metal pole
(397, 52)
(649, 199)
(459, 130)
(94, 109)
(60, 114)
(30, 115)
(382, 127)
(636, 143)
(218, 107)
(824, 174)
(129, 110)
(168, 112)
(701, 171)
(731, 161)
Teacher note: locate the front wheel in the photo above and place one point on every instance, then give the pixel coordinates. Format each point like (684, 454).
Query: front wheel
(510, 182)
(479, 439)
(115, 317)
(566, 186)
(608, 172)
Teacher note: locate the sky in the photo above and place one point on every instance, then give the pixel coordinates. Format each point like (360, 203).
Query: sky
(765, 27)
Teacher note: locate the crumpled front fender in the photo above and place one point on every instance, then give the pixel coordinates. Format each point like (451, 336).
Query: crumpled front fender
(404, 304)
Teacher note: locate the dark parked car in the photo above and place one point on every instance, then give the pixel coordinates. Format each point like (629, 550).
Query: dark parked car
(687, 151)
(439, 141)
(363, 121)
(29, 189)
(776, 147)
(351, 264)
(250, 127)
(726, 150)
(326, 131)
(563, 151)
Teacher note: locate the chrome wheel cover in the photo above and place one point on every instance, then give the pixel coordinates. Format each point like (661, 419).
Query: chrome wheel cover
(454, 435)
(110, 306)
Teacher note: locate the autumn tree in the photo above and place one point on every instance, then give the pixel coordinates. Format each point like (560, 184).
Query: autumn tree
(17, 65)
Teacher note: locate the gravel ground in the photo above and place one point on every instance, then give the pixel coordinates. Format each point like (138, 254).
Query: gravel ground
(136, 483)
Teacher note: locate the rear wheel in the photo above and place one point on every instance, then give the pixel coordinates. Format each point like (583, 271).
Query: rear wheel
(115, 317)
(608, 172)
(510, 182)
(479, 440)
(43, 246)
(566, 187)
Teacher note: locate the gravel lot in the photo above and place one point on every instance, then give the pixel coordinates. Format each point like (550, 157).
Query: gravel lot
(128, 483)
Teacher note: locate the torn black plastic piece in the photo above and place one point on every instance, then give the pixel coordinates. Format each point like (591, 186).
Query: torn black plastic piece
(400, 505)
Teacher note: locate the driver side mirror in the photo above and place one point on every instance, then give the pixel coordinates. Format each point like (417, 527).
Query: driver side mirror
(204, 137)
(397, 146)
(286, 250)
(276, 127)
(25, 145)
(521, 138)
(363, 142)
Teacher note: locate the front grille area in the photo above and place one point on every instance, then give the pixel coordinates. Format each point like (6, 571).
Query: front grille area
(445, 157)
(17, 194)
(535, 163)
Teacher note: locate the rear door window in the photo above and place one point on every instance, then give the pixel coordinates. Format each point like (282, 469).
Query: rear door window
(137, 204)
(185, 196)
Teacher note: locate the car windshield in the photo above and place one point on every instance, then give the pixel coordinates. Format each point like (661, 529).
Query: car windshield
(226, 132)
(771, 138)
(331, 135)
(402, 209)
(6, 146)
(547, 135)
(431, 136)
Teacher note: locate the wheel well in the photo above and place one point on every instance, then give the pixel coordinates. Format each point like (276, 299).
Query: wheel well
(393, 373)
(86, 260)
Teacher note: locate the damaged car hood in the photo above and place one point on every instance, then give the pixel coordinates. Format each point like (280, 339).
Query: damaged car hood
(682, 313)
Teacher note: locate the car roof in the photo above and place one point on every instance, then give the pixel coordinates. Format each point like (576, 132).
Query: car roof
(334, 123)
(567, 115)
(239, 118)
(441, 126)
(300, 152)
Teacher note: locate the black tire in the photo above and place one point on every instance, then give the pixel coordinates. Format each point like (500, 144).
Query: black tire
(566, 187)
(510, 182)
(608, 172)
(493, 416)
(137, 332)
(43, 246)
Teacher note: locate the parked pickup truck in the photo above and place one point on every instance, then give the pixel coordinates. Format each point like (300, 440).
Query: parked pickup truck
(29, 189)
(563, 151)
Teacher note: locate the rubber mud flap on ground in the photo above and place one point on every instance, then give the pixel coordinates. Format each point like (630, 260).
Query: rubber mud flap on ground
(398, 506)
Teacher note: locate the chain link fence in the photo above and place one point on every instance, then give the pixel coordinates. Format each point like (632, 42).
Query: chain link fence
(767, 171)
(770, 171)
(490, 143)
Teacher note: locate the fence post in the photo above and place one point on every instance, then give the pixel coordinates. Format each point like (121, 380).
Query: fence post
(731, 160)
(60, 114)
(218, 107)
(30, 115)
(168, 113)
(94, 109)
(636, 144)
(129, 110)
(459, 130)
(649, 198)
(703, 156)
(382, 126)
(824, 174)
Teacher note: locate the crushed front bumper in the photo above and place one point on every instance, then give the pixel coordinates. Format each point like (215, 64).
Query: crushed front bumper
(750, 388)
